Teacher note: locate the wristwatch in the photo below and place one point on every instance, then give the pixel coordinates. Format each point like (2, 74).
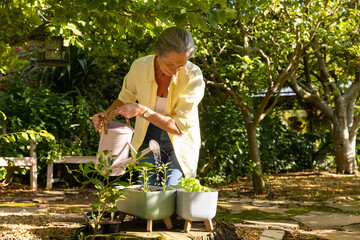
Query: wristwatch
(146, 113)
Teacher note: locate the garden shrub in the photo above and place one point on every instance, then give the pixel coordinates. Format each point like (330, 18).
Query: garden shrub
(224, 154)
(283, 149)
(224, 151)
(29, 106)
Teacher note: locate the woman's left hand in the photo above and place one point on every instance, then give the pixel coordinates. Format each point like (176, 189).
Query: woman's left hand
(130, 110)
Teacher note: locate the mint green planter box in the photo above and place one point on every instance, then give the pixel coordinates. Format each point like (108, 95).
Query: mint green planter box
(154, 205)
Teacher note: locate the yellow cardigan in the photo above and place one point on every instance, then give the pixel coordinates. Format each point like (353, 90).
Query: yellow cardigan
(185, 91)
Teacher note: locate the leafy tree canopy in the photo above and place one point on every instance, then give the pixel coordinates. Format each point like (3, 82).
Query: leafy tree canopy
(97, 25)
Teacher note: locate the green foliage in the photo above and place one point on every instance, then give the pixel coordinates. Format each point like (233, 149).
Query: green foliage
(37, 108)
(283, 149)
(26, 136)
(18, 19)
(99, 25)
(10, 59)
(83, 75)
(145, 172)
(108, 190)
(34, 110)
(164, 169)
(224, 153)
(192, 185)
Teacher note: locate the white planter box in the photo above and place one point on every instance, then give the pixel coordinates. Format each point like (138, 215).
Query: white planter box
(196, 206)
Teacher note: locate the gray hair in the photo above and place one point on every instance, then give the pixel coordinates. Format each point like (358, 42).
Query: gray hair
(175, 39)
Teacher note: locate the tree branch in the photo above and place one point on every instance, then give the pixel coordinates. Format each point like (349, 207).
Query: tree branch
(214, 73)
(236, 98)
(353, 91)
(292, 66)
(323, 69)
(355, 127)
(210, 53)
(311, 97)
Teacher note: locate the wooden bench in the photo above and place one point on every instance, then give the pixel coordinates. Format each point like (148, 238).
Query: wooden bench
(25, 162)
(67, 160)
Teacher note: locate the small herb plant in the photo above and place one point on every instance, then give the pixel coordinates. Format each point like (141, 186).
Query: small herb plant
(146, 171)
(192, 185)
(164, 170)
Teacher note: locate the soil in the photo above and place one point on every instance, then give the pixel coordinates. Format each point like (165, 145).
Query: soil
(138, 189)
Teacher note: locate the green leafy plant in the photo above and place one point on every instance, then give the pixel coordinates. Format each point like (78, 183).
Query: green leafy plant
(27, 135)
(145, 172)
(29, 105)
(99, 175)
(164, 170)
(192, 185)
(130, 168)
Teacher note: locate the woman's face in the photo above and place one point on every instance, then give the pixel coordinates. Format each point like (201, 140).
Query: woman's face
(172, 62)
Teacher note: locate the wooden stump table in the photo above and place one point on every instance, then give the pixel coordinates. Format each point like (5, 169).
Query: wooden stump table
(137, 228)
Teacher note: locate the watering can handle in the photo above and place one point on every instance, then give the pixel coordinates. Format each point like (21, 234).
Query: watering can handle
(106, 120)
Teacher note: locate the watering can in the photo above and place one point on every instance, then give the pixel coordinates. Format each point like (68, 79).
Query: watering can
(116, 138)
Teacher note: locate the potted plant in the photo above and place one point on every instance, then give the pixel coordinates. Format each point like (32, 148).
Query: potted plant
(104, 216)
(149, 202)
(195, 202)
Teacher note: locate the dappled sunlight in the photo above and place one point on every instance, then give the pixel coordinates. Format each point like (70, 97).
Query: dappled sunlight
(299, 186)
(36, 227)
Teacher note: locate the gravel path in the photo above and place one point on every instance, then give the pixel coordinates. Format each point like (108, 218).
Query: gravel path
(31, 227)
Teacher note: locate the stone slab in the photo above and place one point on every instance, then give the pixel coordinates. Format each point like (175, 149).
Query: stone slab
(334, 235)
(352, 228)
(241, 225)
(22, 211)
(323, 220)
(353, 206)
(234, 207)
(263, 203)
(272, 235)
(308, 204)
(275, 224)
(49, 199)
(236, 200)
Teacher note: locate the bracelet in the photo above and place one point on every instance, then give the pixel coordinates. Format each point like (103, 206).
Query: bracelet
(146, 113)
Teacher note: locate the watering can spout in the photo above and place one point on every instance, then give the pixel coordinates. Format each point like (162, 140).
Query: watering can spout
(153, 146)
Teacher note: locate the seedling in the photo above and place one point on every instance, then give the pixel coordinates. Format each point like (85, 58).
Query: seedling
(164, 170)
(145, 173)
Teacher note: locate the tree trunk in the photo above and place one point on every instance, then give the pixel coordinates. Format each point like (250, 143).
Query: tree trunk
(258, 182)
(344, 149)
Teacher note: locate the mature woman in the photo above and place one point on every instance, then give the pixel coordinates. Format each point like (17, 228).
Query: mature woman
(163, 92)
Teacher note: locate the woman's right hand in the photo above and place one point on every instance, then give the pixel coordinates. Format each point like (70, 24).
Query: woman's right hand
(98, 120)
